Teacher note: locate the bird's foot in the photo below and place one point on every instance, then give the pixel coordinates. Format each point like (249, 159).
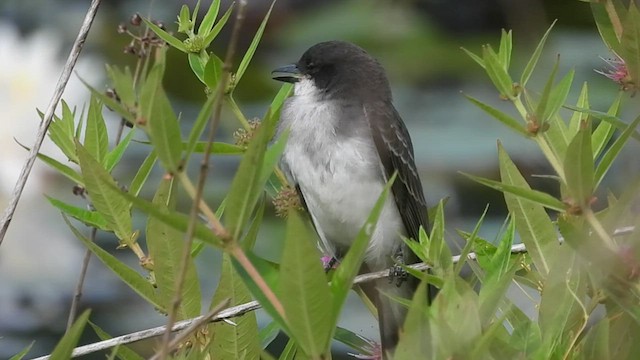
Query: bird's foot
(328, 263)
(399, 274)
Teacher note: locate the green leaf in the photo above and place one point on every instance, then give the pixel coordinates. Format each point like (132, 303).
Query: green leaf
(233, 341)
(95, 136)
(278, 100)
(247, 184)
(605, 26)
(251, 237)
(578, 167)
(123, 352)
(533, 61)
(219, 148)
(543, 108)
(185, 24)
(342, 279)
(356, 342)
(504, 52)
(630, 42)
(123, 84)
(603, 133)
(303, 290)
(23, 352)
(89, 218)
(65, 170)
(438, 249)
(578, 117)
(168, 38)
(474, 57)
(219, 25)
(143, 173)
(165, 249)
(197, 129)
(497, 72)
(252, 47)
(417, 337)
(197, 66)
(268, 333)
(62, 134)
(69, 341)
(612, 153)
(558, 95)
(532, 222)
(103, 193)
(129, 276)
(174, 219)
(164, 129)
(110, 103)
(539, 197)
(613, 120)
(209, 18)
(507, 120)
(113, 157)
(213, 71)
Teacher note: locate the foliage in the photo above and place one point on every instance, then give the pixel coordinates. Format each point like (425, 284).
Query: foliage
(475, 317)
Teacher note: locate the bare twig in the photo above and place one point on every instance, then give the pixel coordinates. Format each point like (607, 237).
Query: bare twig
(46, 120)
(77, 295)
(242, 309)
(195, 325)
(204, 167)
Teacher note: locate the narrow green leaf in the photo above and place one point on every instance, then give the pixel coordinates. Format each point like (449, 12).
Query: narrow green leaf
(605, 27)
(62, 136)
(143, 173)
(504, 52)
(129, 276)
(197, 129)
(533, 61)
(95, 136)
(65, 170)
(474, 57)
(438, 249)
(356, 342)
(559, 95)
(196, 65)
(174, 219)
(543, 108)
(532, 222)
(252, 48)
(290, 351)
(303, 290)
(500, 116)
(23, 352)
(219, 25)
(90, 218)
(578, 167)
(103, 192)
(278, 100)
(246, 185)
(233, 341)
(536, 196)
(417, 337)
(470, 238)
(113, 157)
(184, 19)
(630, 42)
(110, 103)
(579, 116)
(165, 249)
(251, 237)
(123, 352)
(603, 133)
(209, 18)
(212, 71)
(175, 42)
(164, 129)
(123, 83)
(497, 72)
(268, 333)
(69, 341)
(219, 148)
(342, 279)
(613, 120)
(612, 153)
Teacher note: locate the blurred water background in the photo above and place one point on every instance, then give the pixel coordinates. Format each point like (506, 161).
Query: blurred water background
(418, 42)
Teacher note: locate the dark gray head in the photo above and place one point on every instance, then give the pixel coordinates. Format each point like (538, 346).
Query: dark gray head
(339, 69)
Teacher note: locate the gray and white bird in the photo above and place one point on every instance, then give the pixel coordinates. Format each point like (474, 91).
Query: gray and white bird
(346, 140)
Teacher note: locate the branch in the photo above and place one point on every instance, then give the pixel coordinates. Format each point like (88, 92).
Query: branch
(242, 309)
(46, 120)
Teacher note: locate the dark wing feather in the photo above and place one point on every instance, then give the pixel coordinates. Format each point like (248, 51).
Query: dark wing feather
(395, 149)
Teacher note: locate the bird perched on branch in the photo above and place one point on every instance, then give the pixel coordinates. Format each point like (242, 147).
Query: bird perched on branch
(346, 140)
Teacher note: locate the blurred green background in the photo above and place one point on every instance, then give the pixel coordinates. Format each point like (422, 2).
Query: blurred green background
(417, 41)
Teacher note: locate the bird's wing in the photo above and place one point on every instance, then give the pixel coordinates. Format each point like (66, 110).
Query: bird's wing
(395, 150)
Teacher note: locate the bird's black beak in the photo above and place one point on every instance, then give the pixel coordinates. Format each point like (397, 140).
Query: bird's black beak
(288, 73)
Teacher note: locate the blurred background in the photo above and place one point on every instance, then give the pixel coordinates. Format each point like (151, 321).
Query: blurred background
(417, 41)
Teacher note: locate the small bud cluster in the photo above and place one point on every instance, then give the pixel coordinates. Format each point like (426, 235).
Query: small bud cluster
(286, 200)
(243, 136)
(141, 43)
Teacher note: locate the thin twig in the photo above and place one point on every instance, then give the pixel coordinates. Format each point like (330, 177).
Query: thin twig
(77, 294)
(194, 326)
(204, 167)
(46, 120)
(242, 309)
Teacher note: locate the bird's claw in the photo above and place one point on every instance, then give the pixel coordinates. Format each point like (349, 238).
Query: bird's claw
(399, 274)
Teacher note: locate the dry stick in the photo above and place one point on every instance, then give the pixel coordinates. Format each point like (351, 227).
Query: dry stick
(242, 309)
(46, 120)
(163, 352)
(195, 325)
(77, 294)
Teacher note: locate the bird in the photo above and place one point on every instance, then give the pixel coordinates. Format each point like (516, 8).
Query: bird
(346, 140)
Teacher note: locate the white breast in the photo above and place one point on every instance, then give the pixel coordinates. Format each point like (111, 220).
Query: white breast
(340, 178)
